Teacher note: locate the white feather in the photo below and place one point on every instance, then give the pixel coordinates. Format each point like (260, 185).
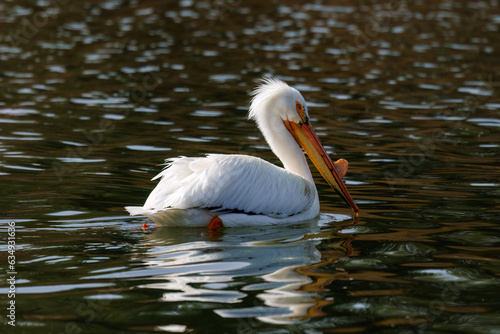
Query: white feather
(232, 182)
(240, 189)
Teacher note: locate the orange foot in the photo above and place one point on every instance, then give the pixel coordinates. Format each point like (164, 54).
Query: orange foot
(144, 227)
(215, 224)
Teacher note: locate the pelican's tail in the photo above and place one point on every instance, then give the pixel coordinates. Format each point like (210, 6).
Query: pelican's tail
(136, 210)
(175, 217)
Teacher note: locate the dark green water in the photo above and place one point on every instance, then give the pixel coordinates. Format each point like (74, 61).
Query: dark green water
(96, 94)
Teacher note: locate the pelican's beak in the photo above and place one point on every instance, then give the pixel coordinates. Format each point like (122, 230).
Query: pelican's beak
(306, 137)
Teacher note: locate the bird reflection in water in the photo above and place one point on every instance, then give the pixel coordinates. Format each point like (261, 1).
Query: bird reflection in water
(288, 261)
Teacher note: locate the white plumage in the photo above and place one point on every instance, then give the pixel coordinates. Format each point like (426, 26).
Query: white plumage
(243, 190)
(221, 182)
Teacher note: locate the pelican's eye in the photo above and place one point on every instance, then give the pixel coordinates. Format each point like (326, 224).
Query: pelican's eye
(301, 111)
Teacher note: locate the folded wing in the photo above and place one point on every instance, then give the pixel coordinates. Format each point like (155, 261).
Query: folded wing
(232, 182)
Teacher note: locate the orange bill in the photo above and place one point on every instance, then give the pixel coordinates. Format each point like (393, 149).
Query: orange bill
(306, 137)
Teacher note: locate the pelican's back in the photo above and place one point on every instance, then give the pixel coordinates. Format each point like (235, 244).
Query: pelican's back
(232, 182)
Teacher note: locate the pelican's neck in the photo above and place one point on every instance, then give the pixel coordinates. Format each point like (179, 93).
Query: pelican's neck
(285, 147)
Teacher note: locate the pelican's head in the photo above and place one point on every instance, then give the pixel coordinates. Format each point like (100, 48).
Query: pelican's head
(275, 96)
(275, 104)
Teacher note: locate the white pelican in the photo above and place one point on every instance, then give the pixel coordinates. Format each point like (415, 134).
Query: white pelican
(239, 190)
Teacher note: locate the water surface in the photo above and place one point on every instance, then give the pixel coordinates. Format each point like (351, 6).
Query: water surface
(96, 94)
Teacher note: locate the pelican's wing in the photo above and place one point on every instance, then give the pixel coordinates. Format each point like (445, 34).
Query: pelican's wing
(237, 182)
